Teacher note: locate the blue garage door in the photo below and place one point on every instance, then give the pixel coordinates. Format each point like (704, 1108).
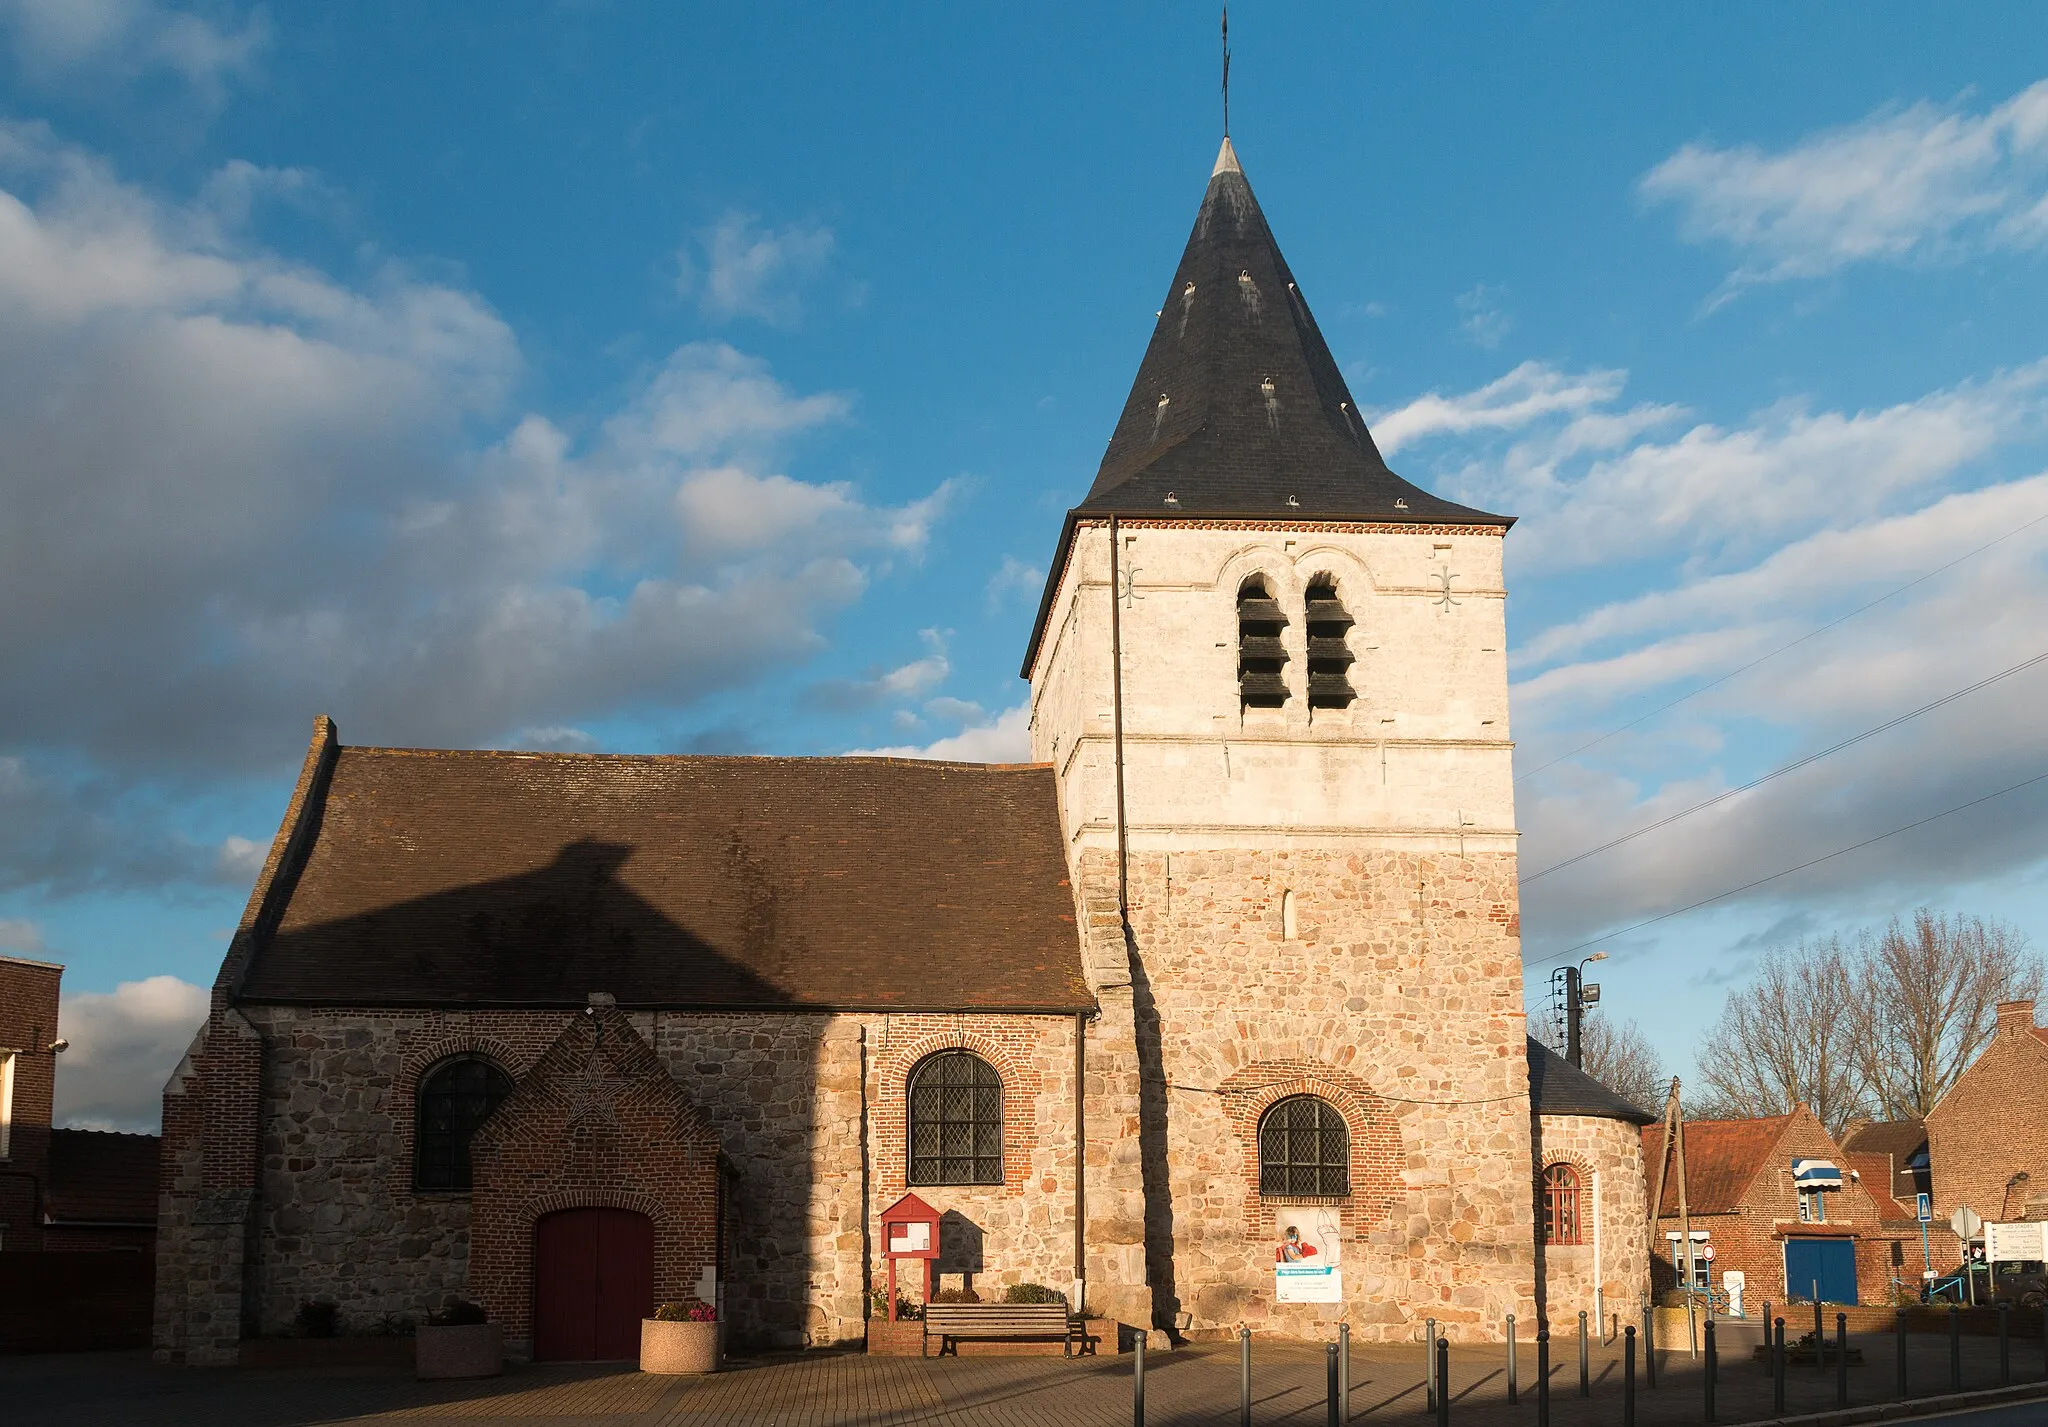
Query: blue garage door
(1830, 1263)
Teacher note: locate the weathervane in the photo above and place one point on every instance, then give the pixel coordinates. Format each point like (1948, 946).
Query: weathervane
(1226, 71)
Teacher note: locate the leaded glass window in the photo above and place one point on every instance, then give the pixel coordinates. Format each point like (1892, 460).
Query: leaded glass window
(1304, 1148)
(455, 1097)
(956, 1120)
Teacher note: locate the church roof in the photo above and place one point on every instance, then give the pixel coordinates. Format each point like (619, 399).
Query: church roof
(1239, 412)
(533, 879)
(1557, 1087)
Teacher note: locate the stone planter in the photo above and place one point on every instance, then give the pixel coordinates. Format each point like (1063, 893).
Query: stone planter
(460, 1350)
(679, 1347)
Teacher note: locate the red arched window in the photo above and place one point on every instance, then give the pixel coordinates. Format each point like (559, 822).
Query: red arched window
(1560, 1205)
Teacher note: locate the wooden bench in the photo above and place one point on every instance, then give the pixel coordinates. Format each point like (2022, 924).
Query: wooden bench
(952, 1323)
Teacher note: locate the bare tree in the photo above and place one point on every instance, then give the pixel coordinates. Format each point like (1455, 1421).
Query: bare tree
(1784, 1039)
(1926, 1001)
(1622, 1058)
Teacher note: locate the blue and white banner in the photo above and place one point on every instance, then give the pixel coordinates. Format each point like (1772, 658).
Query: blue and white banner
(1815, 1174)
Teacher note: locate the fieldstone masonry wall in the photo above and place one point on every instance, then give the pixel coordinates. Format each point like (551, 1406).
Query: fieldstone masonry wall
(1608, 1155)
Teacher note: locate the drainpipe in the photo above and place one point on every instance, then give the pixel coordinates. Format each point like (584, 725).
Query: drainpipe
(1599, 1283)
(1080, 1162)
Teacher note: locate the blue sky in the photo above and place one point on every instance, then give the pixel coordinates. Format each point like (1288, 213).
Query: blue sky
(599, 376)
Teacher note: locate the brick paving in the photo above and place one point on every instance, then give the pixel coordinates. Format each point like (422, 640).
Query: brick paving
(1195, 1386)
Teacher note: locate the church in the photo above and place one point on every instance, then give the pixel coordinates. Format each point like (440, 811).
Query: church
(1212, 1014)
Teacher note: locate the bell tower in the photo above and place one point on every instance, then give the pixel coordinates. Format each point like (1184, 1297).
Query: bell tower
(1271, 678)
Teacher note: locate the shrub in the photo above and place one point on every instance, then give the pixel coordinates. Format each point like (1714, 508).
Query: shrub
(458, 1314)
(878, 1305)
(956, 1295)
(317, 1320)
(1033, 1293)
(686, 1313)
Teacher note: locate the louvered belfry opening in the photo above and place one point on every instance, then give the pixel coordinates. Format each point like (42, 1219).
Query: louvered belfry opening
(1329, 650)
(1261, 657)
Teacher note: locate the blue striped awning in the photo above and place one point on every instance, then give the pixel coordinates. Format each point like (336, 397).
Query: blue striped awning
(1815, 1174)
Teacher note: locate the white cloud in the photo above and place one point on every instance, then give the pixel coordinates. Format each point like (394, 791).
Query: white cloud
(124, 1045)
(20, 936)
(240, 860)
(1006, 740)
(1013, 578)
(952, 710)
(905, 681)
(56, 41)
(1529, 392)
(1929, 183)
(1482, 315)
(739, 268)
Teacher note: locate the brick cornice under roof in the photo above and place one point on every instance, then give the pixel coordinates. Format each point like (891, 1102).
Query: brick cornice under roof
(532, 879)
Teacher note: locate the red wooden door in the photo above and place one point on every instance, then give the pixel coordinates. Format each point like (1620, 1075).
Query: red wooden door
(593, 1282)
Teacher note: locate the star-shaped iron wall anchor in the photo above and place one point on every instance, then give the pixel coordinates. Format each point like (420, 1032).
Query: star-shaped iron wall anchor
(1127, 584)
(1444, 597)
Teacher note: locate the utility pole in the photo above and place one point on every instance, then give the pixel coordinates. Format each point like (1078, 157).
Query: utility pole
(1569, 996)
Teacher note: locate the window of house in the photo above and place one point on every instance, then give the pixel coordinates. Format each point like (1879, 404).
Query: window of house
(1261, 657)
(1560, 1205)
(455, 1097)
(956, 1120)
(6, 1100)
(1329, 648)
(1702, 1266)
(1813, 1209)
(1304, 1148)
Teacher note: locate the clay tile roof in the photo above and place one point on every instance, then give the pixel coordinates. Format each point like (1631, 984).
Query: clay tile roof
(1898, 1138)
(1721, 1158)
(463, 878)
(1876, 1172)
(1557, 1087)
(100, 1177)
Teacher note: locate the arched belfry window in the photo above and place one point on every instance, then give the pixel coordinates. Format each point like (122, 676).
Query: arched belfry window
(1261, 657)
(956, 1120)
(1560, 1204)
(1304, 1148)
(1329, 651)
(455, 1097)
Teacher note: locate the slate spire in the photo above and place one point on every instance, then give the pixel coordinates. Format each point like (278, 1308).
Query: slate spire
(1239, 410)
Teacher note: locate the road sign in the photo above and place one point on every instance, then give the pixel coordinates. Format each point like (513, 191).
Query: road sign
(1926, 1207)
(1967, 1223)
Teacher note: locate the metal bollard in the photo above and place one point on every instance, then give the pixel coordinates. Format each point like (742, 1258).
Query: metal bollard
(1650, 1345)
(1713, 1365)
(1777, 1357)
(2005, 1345)
(1344, 1371)
(1841, 1360)
(1628, 1377)
(1542, 1377)
(1899, 1336)
(1330, 1389)
(1429, 1365)
(1138, 1383)
(1955, 1348)
(1820, 1341)
(1443, 1382)
(1244, 1377)
(1585, 1363)
(1512, 1385)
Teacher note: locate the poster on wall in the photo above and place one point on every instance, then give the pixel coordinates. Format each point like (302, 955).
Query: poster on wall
(1307, 1257)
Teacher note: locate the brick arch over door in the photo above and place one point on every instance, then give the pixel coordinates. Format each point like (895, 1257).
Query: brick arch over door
(598, 1123)
(1022, 1085)
(1253, 1089)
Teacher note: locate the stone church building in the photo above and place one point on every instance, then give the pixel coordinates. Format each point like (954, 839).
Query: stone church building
(1210, 1014)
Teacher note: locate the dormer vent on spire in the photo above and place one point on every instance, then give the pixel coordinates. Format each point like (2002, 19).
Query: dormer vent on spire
(1261, 656)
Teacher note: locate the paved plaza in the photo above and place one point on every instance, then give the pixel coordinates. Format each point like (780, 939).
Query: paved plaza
(1192, 1385)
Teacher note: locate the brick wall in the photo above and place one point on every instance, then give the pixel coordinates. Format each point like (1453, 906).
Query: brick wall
(28, 1023)
(1990, 1127)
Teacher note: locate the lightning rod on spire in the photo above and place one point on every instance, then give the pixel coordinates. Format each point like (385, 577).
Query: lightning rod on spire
(1226, 71)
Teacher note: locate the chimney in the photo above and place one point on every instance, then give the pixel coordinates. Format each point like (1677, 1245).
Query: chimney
(2015, 1015)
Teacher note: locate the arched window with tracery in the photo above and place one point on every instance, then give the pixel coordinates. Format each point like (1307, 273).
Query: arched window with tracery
(1261, 656)
(1304, 1148)
(1561, 1204)
(455, 1097)
(956, 1120)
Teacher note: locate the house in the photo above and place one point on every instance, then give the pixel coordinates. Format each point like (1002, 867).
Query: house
(102, 1191)
(1773, 1202)
(1987, 1138)
(28, 1075)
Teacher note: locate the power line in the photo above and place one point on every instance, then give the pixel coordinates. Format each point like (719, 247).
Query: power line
(1745, 668)
(1787, 872)
(1791, 767)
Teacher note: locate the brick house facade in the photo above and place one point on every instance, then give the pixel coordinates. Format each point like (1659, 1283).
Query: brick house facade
(1987, 1138)
(1241, 947)
(28, 1074)
(1743, 1201)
